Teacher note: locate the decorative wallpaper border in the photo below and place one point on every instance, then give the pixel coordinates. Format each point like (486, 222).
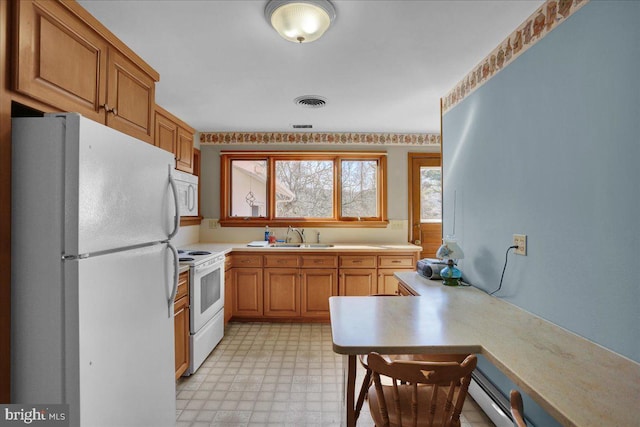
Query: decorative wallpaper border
(551, 14)
(259, 138)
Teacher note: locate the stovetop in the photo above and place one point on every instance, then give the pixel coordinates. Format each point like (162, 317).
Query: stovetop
(194, 257)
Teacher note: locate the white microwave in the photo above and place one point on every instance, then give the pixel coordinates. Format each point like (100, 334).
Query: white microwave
(187, 193)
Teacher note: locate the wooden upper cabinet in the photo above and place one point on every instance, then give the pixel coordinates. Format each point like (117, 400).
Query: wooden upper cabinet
(65, 58)
(175, 136)
(184, 154)
(130, 98)
(59, 59)
(166, 132)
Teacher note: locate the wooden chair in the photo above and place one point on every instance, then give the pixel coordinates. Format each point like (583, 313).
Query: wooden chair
(516, 409)
(367, 381)
(422, 393)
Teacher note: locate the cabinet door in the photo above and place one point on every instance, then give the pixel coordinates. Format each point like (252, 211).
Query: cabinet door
(184, 151)
(317, 286)
(181, 327)
(166, 133)
(228, 296)
(183, 285)
(60, 60)
(247, 292)
(387, 283)
(131, 98)
(404, 291)
(358, 281)
(281, 292)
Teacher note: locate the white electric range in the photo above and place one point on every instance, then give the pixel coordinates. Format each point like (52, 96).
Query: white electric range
(206, 298)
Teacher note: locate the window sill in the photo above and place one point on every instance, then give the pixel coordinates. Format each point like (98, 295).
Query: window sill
(190, 220)
(261, 222)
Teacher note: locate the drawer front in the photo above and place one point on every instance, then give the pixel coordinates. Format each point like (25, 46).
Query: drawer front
(318, 261)
(395, 261)
(228, 262)
(358, 261)
(183, 285)
(281, 261)
(246, 260)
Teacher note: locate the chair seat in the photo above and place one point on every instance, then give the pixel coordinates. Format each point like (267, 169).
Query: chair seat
(404, 391)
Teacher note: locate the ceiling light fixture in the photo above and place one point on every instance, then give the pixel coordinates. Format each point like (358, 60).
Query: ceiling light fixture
(300, 21)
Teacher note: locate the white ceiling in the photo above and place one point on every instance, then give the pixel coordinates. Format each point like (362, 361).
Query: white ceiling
(382, 66)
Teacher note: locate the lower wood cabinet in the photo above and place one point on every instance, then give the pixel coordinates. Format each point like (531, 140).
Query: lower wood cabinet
(228, 290)
(281, 292)
(405, 291)
(358, 281)
(387, 282)
(317, 285)
(181, 325)
(387, 266)
(247, 292)
(298, 286)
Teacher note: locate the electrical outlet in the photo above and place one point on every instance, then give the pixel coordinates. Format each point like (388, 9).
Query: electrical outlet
(213, 223)
(520, 240)
(396, 225)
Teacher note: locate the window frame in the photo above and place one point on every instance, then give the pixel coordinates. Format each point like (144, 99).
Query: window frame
(226, 157)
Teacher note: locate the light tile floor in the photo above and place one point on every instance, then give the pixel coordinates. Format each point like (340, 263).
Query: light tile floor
(275, 374)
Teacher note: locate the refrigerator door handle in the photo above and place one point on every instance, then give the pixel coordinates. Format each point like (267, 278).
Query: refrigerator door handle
(176, 201)
(176, 260)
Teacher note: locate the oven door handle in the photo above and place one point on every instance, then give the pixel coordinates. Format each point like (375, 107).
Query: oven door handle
(176, 201)
(176, 261)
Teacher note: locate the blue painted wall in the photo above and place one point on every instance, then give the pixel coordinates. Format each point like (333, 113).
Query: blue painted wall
(550, 148)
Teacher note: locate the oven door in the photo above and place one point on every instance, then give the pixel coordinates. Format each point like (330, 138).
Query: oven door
(207, 293)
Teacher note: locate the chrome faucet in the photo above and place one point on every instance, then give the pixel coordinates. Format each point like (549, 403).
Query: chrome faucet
(297, 230)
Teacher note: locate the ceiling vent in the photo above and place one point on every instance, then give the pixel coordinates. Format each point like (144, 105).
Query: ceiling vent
(311, 101)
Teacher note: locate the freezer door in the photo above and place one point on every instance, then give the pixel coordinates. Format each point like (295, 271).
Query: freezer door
(125, 344)
(117, 191)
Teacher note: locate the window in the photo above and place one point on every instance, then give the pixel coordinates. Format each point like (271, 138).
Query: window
(303, 188)
(430, 194)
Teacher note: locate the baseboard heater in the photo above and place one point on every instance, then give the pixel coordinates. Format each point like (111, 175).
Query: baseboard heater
(492, 402)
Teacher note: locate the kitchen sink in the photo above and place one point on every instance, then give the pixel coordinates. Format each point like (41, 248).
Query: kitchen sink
(301, 245)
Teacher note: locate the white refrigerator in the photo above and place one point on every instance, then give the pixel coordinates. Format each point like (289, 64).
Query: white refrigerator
(93, 272)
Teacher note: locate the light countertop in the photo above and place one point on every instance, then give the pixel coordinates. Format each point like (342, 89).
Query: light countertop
(578, 382)
(337, 247)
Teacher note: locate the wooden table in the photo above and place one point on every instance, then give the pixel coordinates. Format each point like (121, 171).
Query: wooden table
(577, 381)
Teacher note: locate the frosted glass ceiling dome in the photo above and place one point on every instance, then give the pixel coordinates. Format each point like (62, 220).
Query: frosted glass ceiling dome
(300, 21)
